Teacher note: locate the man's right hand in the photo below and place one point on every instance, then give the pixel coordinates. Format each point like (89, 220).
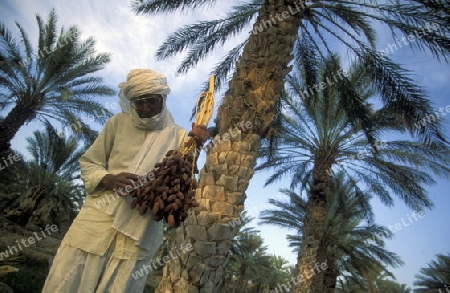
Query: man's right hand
(119, 182)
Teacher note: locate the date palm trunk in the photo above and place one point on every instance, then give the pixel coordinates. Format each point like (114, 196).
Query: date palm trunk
(16, 118)
(370, 286)
(313, 254)
(243, 119)
(330, 277)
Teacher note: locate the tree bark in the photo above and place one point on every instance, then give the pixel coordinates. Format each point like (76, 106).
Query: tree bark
(370, 285)
(241, 281)
(330, 276)
(243, 118)
(313, 255)
(16, 118)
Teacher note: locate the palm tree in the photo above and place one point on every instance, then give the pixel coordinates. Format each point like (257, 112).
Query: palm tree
(351, 247)
(436, 277)
(55, 81)
(47, 188)
(247, 247)
(250, 269)
(262, 62)
(251, 261)
(390, 286)
(375, 283)
(280, 273)
(317, 138)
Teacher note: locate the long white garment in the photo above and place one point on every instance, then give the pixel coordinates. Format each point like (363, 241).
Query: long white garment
(120, 147)
(77, 271)
(89, 251)
(108, 241)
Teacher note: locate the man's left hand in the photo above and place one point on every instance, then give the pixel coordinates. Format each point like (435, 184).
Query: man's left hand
(199, 133)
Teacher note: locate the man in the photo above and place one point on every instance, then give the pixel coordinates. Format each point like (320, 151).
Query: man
(108, 240)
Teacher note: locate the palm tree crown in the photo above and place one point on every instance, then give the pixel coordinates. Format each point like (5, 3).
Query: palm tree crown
(250, 269)
(55, 81)
(436, 277)
(319, 130)
(47, 188)
(345, 21)
(324, 25)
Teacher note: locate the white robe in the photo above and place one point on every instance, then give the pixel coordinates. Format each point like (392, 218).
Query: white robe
(102, 238)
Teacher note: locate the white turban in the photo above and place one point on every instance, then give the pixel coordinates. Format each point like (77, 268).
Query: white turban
(143, 81)
(140, 82)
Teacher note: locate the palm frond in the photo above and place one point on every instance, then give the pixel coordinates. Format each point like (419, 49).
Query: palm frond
(161, 6)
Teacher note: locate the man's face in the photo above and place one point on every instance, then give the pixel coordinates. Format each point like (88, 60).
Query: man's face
(147, 105)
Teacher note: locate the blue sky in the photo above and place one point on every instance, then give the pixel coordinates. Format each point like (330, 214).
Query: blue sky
(133, 40)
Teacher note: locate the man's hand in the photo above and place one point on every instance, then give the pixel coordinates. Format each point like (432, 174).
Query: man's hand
(199, 133)
(119, 182)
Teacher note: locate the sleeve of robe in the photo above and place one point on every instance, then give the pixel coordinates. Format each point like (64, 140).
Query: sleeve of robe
(93, 163)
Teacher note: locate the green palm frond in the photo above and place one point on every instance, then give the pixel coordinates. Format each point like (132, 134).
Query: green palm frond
(55, 81)
(250, 268)
(346, 20)
(324, 25)
(161, 6)
(203, 37)
(320, 125)
(222, 70)
(354, 244)
(400, 95)
(49, 181)
(434, 277)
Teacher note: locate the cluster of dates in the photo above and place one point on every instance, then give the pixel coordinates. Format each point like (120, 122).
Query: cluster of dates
(171, 194)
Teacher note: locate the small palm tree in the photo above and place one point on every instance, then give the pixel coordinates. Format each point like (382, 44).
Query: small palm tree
(250, 269)
(376, 282)
(280, 273)
(352, 247)
(249, 263)
(391, 286)
(249, 252)
(47, 188)
(317, 139)
(55, 81)
(436, 277)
